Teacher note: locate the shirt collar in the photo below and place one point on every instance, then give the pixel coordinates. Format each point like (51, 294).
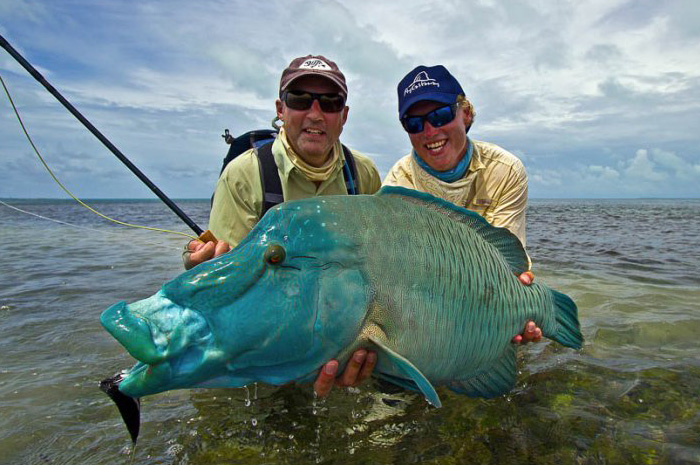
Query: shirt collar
(285, 164)
(476, 164)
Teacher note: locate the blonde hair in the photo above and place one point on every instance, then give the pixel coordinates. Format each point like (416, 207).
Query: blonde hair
(466, 104)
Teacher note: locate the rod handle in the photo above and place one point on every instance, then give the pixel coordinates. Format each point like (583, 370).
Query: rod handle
(207, 236)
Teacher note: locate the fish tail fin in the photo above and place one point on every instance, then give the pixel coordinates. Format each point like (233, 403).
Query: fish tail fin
(129, 407)
(568, 329)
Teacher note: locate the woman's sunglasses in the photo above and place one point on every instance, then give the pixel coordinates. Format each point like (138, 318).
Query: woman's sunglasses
(300, 100)
(438, 117)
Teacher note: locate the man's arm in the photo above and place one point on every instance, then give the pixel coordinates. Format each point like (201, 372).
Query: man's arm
(367, 174)
(509, 211)
(237, 200)
(234, 211)
(399, 175)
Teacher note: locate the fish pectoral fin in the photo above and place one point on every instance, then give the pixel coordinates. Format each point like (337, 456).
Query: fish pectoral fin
(410, 370)
(495, 381)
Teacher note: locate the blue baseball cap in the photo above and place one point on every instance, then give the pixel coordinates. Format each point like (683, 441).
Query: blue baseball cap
(432, 83)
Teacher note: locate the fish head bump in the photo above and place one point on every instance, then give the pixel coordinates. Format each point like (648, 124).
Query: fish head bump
(288, 298)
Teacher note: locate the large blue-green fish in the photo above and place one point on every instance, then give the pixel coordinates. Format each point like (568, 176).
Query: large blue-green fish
(430, 286)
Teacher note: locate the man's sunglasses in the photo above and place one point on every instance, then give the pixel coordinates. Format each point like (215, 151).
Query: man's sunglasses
(300, 100)
(438, 117)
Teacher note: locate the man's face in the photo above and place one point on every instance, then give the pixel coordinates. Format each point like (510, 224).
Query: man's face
(441, 148)
(312, 133)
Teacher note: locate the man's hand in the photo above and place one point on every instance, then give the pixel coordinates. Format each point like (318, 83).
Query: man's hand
(198, 252)
(526, 278)
(358, 369)
(531, 333)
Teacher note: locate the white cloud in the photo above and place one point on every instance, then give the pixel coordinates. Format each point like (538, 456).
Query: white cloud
(149, 89)
(645, 173)
(669, 160)
(547, 178)
(604, 172)
(643, 168)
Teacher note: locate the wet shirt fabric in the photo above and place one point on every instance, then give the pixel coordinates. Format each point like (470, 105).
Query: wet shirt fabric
(495, 185)
(238, 197)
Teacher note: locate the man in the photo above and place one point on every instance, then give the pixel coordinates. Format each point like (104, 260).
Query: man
(446, 163)
(309, 158)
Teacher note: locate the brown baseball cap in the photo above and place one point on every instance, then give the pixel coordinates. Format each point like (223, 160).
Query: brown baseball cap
(313, 65)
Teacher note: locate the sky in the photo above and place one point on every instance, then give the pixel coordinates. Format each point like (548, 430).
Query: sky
(598, 98)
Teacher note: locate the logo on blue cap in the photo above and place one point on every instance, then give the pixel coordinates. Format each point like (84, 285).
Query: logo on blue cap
(433, 83)
(422, 79)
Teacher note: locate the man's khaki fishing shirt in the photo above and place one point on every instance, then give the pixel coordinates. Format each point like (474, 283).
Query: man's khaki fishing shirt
(495, 185)
(238, 197)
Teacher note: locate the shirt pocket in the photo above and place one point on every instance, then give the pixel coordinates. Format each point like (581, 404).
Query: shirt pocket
(482, 206)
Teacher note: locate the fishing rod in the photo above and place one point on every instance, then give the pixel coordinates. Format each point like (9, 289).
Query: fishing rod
(203, 235)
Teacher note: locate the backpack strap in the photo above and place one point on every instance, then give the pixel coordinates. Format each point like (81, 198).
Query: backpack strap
(350, 172)
(270, 178)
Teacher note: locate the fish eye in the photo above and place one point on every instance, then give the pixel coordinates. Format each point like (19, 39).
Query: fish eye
(274, 255)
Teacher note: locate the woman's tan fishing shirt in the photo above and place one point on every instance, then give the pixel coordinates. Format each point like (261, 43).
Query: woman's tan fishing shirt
(495, 185)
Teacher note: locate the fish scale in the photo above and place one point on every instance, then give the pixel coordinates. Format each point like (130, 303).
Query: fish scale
(447, 261)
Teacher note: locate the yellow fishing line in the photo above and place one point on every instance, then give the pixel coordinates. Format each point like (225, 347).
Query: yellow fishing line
(43, 162)
(102, 231)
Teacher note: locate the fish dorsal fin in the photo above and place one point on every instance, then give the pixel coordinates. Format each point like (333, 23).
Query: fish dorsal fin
(410, 371)
(503, 240)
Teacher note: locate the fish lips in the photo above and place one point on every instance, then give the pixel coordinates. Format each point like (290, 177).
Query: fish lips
(156, 329)
(132, 332)
(143, 380)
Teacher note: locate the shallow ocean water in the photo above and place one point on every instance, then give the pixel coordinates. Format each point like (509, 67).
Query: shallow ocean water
(631, 395)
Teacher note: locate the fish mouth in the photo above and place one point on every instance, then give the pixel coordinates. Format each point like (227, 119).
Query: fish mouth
(155, 329)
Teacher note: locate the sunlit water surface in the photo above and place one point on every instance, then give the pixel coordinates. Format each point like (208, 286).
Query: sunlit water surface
(632, 395)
